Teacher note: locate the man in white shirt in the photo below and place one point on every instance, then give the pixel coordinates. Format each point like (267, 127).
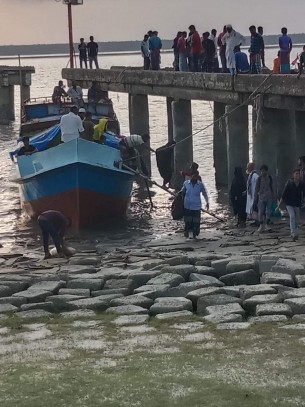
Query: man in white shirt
(232, 39)
(76, 94)
(251, 185)
(71, 125)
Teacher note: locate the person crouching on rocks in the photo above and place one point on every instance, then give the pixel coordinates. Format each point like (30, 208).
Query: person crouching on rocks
(192, 190)
(293, 195)
(54, 224)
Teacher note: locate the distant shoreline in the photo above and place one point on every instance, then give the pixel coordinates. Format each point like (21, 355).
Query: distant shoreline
(115, 53)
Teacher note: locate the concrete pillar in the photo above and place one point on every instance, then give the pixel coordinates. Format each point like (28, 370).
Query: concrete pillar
(169, 101)
(237, 125)
(264, 137)
(139, 123)
(182, 128)
(300, 132)
(11, 103)
(5, 105)
(220, 146)
(286, 146)
(25, 93)
(274, 143)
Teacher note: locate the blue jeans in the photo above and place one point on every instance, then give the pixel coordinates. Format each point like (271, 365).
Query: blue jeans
(195, 63)
(183, 63)
(294, 217)
(264, 210)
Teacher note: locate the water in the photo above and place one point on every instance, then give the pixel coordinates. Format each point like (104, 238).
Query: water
(15, 227)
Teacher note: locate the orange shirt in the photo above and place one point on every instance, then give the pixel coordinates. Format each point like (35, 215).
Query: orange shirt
(196, 44)
(277, 65)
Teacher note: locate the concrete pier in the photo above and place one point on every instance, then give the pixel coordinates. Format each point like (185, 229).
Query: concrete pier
(237, 128)
(11, 76)
(139, 123)
(182, 128)
(220, 146)
(278, 113)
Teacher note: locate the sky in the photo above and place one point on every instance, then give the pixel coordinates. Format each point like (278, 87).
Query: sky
(45, 21)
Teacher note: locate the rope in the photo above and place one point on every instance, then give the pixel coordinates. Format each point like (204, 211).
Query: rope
(252, 96)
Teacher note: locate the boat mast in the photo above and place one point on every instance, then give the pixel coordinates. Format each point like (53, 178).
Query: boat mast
(70, 35)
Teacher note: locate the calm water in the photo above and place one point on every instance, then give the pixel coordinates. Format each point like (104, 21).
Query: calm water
(15, 228)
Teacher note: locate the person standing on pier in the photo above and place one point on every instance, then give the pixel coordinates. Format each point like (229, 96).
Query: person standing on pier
(176, 51)
(232, 39)
(183, 66)
(285, 44)
(241, 59)
(155, 46)
(213, 37)
(54, 224)
(93, 52)
(192, 191)
(222, 50)
(293, 195)
(196, 48)
(82, 48)
(145, 52)
(260, 30)
(256, 49)
(208, 47)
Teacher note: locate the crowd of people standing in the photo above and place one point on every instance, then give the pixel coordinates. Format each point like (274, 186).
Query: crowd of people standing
(213, 52)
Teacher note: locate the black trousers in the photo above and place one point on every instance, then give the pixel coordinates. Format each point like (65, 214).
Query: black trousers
(47, 230)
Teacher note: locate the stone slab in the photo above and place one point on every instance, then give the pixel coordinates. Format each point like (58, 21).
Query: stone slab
(207, 271)
(268, 319)
(94, 284)
(52, 286)
(38, 313)
(5, 291)
(247, 277)
(83, 292)
(242, 264)
(139, 300)
(184, 288)
(167, 278)
(210, 281)
(46, 306)
(131, 320)
(232, 308)
(77, 269)
(251, 303)
(297, 305)
(5, 308)
(151, 290)
(286, 266)
(233, 326)
(273, 309)
(210, 300)
(141, 277)
(95, 304)
(16, 301)
(259, 289)
(300, 281)
(293, 293)
(201, 292)
(170, 304)
(221, 319)
(183, 270)
(127, 310)
(174, 315)
(34, 295)
(79, 314)
(15, 286)
(85, 261)
(277, 278)
(126, 284)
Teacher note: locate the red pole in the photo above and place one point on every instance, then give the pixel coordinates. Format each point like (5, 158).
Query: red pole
(70, 35)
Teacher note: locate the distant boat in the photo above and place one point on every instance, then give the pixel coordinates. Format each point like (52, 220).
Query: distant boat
(78, 178)
(42, 113)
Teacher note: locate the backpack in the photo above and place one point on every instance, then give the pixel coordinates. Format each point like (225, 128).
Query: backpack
(177, 208)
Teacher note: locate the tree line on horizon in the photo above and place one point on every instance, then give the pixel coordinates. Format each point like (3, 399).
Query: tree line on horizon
(114, 46)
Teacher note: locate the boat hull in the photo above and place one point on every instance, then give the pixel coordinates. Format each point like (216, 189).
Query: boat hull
(78, 179)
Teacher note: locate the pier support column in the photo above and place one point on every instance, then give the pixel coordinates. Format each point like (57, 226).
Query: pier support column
(274, 143)
(220, 146)
(300, 132)
(5, 104)
(237, 125)
(139, 123)
(182, 128)
(170, 133)
(11, 103)
(25, 93)
(286, 146)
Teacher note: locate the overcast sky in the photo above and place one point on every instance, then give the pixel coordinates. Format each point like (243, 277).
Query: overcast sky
(45, 21)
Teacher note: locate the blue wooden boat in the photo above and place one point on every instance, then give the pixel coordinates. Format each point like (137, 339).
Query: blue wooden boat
(78, 178)
(42, 113)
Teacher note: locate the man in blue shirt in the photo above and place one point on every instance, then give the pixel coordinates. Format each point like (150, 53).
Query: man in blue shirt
(256, 49)
(192, 190)
(241, 59)
(155, 46)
